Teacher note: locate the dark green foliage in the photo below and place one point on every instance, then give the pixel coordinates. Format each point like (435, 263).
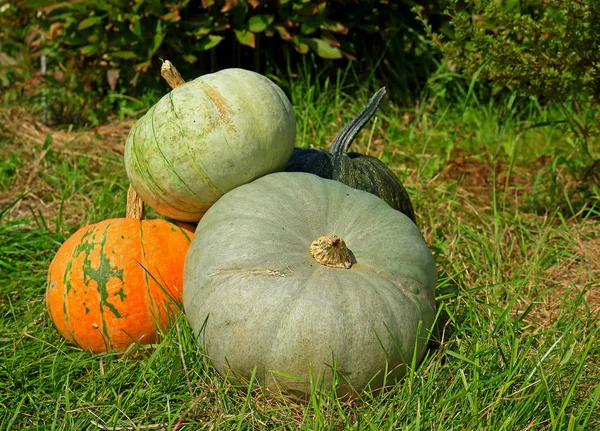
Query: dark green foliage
(546, 48)
(109, 53)
(353, 169)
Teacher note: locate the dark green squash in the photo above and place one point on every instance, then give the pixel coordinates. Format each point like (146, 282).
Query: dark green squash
(356, 170)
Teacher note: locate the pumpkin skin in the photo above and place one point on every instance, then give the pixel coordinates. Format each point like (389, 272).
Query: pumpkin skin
(206, 137)
(354, 169)
(103, 293)
(255, 296)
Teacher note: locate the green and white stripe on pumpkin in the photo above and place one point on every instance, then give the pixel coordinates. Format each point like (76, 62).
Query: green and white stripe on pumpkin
(206, 137)
(112, 284)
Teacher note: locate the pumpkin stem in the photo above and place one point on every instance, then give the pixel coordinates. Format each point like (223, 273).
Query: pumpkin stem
(135, 205)
(171, 74)
(331, 250)
(344, 139)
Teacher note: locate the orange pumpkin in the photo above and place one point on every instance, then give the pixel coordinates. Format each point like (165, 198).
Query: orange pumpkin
(113, 283)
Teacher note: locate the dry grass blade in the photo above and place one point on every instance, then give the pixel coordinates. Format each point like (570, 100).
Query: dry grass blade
(28, 131)
(35, 178)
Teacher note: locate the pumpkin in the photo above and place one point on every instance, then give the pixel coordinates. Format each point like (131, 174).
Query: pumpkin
(114, 283)
(206, 137)
(292, 273)
(356, 170)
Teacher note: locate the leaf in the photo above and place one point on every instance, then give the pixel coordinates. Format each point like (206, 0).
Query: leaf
(142, 67)
(323, 49)
(201, 31)
(159, 36)
(208, 42)
(335, 27)
(300, 45)
(313, 22)
(207, 3)
(283, 33)
(229, 4)
(259, 23)
(89, 49)
(89, 22)
(55, 29)
(158, 39)
(330, 39)
(173, 15)
(6, 60)
(310, 26)
(127, 55)
(246, 38)
(136, 29)
(47, 141)
(237, 16)
(51, 7)
(190, 58)
(347, 49)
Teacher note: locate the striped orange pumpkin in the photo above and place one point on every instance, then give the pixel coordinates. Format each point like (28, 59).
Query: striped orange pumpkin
(113, 283)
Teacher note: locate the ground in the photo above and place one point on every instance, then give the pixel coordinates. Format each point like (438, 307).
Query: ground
(519, 294)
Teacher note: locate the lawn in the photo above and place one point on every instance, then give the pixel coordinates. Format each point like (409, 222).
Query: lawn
(500, 196)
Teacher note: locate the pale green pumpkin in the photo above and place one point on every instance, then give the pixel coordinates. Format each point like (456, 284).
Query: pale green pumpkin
(258, 291)
(207, 137)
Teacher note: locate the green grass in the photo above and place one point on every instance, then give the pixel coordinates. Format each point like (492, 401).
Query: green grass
(515, 345)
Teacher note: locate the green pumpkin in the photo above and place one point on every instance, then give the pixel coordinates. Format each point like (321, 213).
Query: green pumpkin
(292, 271)
(207, 137)
(353, 169)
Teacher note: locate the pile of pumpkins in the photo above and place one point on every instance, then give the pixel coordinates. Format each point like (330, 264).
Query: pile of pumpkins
(305, 268)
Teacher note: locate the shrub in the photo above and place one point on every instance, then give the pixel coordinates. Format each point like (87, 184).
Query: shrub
(546, 49)
(18, 48)
(113, 47)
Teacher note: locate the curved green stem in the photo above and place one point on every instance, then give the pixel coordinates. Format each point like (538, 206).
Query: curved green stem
(342, 141)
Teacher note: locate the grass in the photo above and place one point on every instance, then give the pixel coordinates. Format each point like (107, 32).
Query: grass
(515, 345)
